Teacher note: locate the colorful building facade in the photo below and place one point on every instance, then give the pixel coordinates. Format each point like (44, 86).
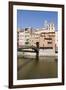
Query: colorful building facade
(46, 37)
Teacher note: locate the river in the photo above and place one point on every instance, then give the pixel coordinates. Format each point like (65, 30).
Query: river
(31, 68)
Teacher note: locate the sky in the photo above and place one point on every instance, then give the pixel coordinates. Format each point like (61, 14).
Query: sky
(36, 19)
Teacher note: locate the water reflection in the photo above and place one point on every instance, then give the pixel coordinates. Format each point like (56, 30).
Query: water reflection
(30, 68)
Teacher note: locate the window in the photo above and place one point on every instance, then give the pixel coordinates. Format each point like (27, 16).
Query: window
(44, 35)
(49, 42)
(36, 37)
(26, 35)
(26, 42)
(27, 39)
(48, 38)
(51, 35)
(43, 45)
(52, 27)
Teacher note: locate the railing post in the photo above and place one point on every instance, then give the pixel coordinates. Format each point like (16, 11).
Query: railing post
(37, 51)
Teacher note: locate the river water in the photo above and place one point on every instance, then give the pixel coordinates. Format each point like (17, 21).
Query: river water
(31, 68)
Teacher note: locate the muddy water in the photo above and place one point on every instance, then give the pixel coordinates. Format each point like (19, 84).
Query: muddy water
(31, 68)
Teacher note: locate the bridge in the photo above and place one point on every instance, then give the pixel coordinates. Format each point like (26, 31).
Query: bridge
(31, 49)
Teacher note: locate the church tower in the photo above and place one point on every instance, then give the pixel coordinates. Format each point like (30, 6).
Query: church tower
(51, 27)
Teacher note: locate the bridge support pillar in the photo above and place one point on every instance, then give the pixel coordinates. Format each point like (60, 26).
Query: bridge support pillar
(37, 53)
(37, 56)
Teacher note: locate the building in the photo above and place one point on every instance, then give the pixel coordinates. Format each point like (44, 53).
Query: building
(34, 38)
(56, 41)
(46, 37)
(47, 40)
(51, 27)
(23, 37)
